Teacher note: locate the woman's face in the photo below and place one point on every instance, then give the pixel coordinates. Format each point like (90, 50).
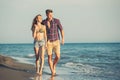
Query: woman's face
(39, 18)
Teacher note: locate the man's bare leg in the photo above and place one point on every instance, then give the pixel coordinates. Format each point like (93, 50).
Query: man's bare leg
(55, 62)
(51, 63)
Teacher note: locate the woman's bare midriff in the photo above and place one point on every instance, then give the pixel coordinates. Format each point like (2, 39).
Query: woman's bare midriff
(39, 36)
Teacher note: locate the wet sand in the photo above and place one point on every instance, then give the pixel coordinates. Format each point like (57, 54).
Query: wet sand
(10, 69)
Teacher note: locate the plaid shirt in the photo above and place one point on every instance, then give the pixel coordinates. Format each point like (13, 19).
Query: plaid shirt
(53, 31)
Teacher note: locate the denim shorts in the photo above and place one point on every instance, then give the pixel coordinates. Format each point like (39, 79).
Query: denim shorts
(39, 43)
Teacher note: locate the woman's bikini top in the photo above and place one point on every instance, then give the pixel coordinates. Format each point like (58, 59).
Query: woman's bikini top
(41, 30)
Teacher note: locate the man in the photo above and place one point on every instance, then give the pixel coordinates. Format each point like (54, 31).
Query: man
(53, 26)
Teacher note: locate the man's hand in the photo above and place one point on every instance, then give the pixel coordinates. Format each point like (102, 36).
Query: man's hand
(62, 41)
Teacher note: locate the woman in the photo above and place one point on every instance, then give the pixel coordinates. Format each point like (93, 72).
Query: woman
(40, 38)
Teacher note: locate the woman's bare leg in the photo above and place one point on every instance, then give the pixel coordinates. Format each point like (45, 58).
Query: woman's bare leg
(37, 59)
(42, 58)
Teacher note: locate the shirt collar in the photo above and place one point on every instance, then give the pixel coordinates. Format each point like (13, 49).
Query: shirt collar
(51, 20)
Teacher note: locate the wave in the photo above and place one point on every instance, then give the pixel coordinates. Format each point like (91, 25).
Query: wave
(90, 70)
(30, 55)
(23, 60)
(83, 68)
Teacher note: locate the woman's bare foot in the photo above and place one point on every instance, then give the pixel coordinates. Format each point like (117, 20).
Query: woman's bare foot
(40, 73)
(37, 73)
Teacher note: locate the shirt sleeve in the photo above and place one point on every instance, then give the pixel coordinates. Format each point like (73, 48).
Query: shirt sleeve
(59, 25)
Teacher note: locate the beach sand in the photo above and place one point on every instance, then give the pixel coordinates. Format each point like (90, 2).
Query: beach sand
(10, 69)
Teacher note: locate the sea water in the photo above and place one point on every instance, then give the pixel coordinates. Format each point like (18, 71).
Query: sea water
(79, 61)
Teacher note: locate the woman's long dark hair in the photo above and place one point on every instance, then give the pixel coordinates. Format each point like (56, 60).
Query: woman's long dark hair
(34, 22)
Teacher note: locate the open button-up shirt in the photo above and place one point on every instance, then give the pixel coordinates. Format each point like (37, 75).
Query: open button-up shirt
(53, 30)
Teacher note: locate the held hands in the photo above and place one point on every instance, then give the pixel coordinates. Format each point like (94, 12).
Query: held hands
(45, 46)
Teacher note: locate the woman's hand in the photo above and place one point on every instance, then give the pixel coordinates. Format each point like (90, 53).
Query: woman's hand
(45, 46)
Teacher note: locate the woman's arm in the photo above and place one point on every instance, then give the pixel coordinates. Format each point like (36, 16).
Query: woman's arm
(34, 32)
(45, 35)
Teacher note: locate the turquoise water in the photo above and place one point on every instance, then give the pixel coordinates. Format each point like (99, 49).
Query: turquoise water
(79, 61)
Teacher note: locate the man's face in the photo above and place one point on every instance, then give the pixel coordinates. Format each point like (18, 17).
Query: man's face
(50, 16)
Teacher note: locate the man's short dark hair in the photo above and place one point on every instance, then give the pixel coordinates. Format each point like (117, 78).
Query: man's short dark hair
(49, 11)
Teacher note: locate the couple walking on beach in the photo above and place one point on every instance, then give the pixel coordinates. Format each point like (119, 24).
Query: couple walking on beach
(46, 37)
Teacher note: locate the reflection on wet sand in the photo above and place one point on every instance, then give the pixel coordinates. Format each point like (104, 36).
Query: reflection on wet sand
(38, 77)
(52, 77)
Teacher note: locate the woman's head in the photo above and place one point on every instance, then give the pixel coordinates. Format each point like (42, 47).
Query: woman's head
(37, 19)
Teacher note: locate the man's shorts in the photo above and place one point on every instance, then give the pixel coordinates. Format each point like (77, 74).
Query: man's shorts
(53, 46)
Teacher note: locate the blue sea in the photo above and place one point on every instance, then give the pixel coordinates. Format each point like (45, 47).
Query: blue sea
(79, 61)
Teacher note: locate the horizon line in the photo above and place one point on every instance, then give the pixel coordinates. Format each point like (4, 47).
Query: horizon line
(64, 43)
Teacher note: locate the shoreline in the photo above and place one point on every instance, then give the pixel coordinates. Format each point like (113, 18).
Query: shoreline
(10, 69)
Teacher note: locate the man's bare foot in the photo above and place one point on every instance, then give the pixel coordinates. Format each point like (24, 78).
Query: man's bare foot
(54, 68)
(53, 74)
(52, 77)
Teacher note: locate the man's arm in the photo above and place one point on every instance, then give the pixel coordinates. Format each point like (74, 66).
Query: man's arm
(61, 30)
(62, 34)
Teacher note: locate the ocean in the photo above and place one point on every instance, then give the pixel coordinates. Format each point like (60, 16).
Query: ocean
(79, 61)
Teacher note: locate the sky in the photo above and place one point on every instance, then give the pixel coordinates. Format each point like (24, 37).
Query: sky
(83, 21)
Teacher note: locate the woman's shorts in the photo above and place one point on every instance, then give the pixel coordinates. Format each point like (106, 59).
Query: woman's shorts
(38, 44)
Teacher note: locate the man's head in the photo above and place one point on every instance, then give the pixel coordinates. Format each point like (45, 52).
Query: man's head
(49, 14)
